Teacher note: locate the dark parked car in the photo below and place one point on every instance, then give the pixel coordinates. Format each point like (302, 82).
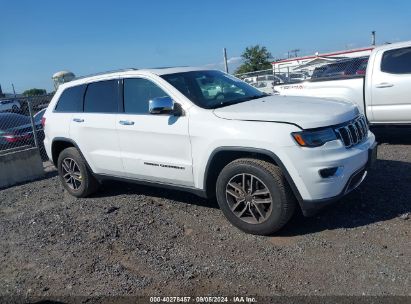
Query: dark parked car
(340, 68)
(15, 131)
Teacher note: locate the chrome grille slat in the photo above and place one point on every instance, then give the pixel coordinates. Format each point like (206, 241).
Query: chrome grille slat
(356, 132)
(363, 127)
(359, 128)
(349, 135)
(353, 132)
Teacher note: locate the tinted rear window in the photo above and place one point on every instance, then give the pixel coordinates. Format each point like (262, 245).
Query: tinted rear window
(71, 100)
(397, 61)
(102, 97)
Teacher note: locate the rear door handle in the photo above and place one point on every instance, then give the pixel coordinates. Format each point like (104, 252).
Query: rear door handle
(126, 122)
(384, 85)
(78, 119)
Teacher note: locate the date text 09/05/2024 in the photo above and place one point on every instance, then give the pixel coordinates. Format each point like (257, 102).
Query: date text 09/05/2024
(206, 299)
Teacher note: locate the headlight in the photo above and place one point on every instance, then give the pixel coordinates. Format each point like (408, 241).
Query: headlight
(314, 138)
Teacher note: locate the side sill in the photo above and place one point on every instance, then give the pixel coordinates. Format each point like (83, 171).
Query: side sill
(198, 192)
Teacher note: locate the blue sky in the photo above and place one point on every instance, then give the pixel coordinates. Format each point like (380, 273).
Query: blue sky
(38, 38)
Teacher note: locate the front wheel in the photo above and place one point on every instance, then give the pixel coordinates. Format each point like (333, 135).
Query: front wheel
(254, 196)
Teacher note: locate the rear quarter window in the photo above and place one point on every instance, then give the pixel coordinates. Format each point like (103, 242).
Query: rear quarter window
(71, 100)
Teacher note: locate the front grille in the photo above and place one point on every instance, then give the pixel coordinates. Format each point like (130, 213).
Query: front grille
(353, 132)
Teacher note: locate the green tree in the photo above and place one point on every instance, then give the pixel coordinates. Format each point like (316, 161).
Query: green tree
(34, 92)
(255, 58)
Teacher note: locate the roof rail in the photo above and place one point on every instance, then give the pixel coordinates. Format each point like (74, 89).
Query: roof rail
(106, 72)
(168, 67)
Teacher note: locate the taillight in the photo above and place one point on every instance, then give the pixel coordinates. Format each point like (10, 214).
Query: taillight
(43, 122)
(12, 138)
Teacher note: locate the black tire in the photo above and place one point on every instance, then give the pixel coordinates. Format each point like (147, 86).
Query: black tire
(87, 184)
(270, 178)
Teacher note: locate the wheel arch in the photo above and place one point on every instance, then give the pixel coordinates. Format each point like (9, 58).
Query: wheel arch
(59, 144)
(221, 156)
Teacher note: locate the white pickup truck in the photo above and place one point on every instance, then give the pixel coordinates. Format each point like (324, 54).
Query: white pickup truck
(383, 95)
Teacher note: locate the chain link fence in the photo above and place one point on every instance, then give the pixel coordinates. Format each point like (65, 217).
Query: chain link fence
(21, 123)
(318, 69)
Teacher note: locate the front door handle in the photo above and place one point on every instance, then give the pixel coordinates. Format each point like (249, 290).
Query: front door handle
(384, 85)
(78, 119)
(126, 122)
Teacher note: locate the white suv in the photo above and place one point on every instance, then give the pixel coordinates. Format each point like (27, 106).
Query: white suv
(259, 155)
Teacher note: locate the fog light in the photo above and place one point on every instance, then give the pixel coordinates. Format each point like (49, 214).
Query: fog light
(329, 172)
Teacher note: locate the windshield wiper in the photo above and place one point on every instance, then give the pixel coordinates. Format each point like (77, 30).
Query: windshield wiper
(258, 96)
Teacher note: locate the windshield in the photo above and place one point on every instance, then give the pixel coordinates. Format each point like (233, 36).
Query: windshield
(212, 89)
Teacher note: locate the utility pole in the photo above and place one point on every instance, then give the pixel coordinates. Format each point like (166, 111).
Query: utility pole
(225, 60)
(290, 52)
(373, 38)
(14, 91)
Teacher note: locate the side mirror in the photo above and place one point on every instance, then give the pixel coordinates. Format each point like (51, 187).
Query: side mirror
(161, 105)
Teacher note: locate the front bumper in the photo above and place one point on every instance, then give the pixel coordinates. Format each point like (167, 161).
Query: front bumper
(305, 164)
(311, 207)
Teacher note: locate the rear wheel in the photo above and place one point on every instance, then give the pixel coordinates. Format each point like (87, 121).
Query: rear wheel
(254, 196)
(74, 174)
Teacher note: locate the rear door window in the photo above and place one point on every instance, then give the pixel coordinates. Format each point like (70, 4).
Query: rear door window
(71, 100)
(102, 97)
(397, 61)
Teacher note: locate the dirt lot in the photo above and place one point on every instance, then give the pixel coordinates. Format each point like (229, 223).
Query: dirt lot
(131, 239)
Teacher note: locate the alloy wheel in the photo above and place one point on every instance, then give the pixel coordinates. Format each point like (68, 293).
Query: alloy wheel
(249, 198)
(71, 173)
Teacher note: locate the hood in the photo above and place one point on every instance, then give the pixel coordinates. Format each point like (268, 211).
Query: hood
(306, 112)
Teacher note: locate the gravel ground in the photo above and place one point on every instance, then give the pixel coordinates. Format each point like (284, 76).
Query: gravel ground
(138, 240)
